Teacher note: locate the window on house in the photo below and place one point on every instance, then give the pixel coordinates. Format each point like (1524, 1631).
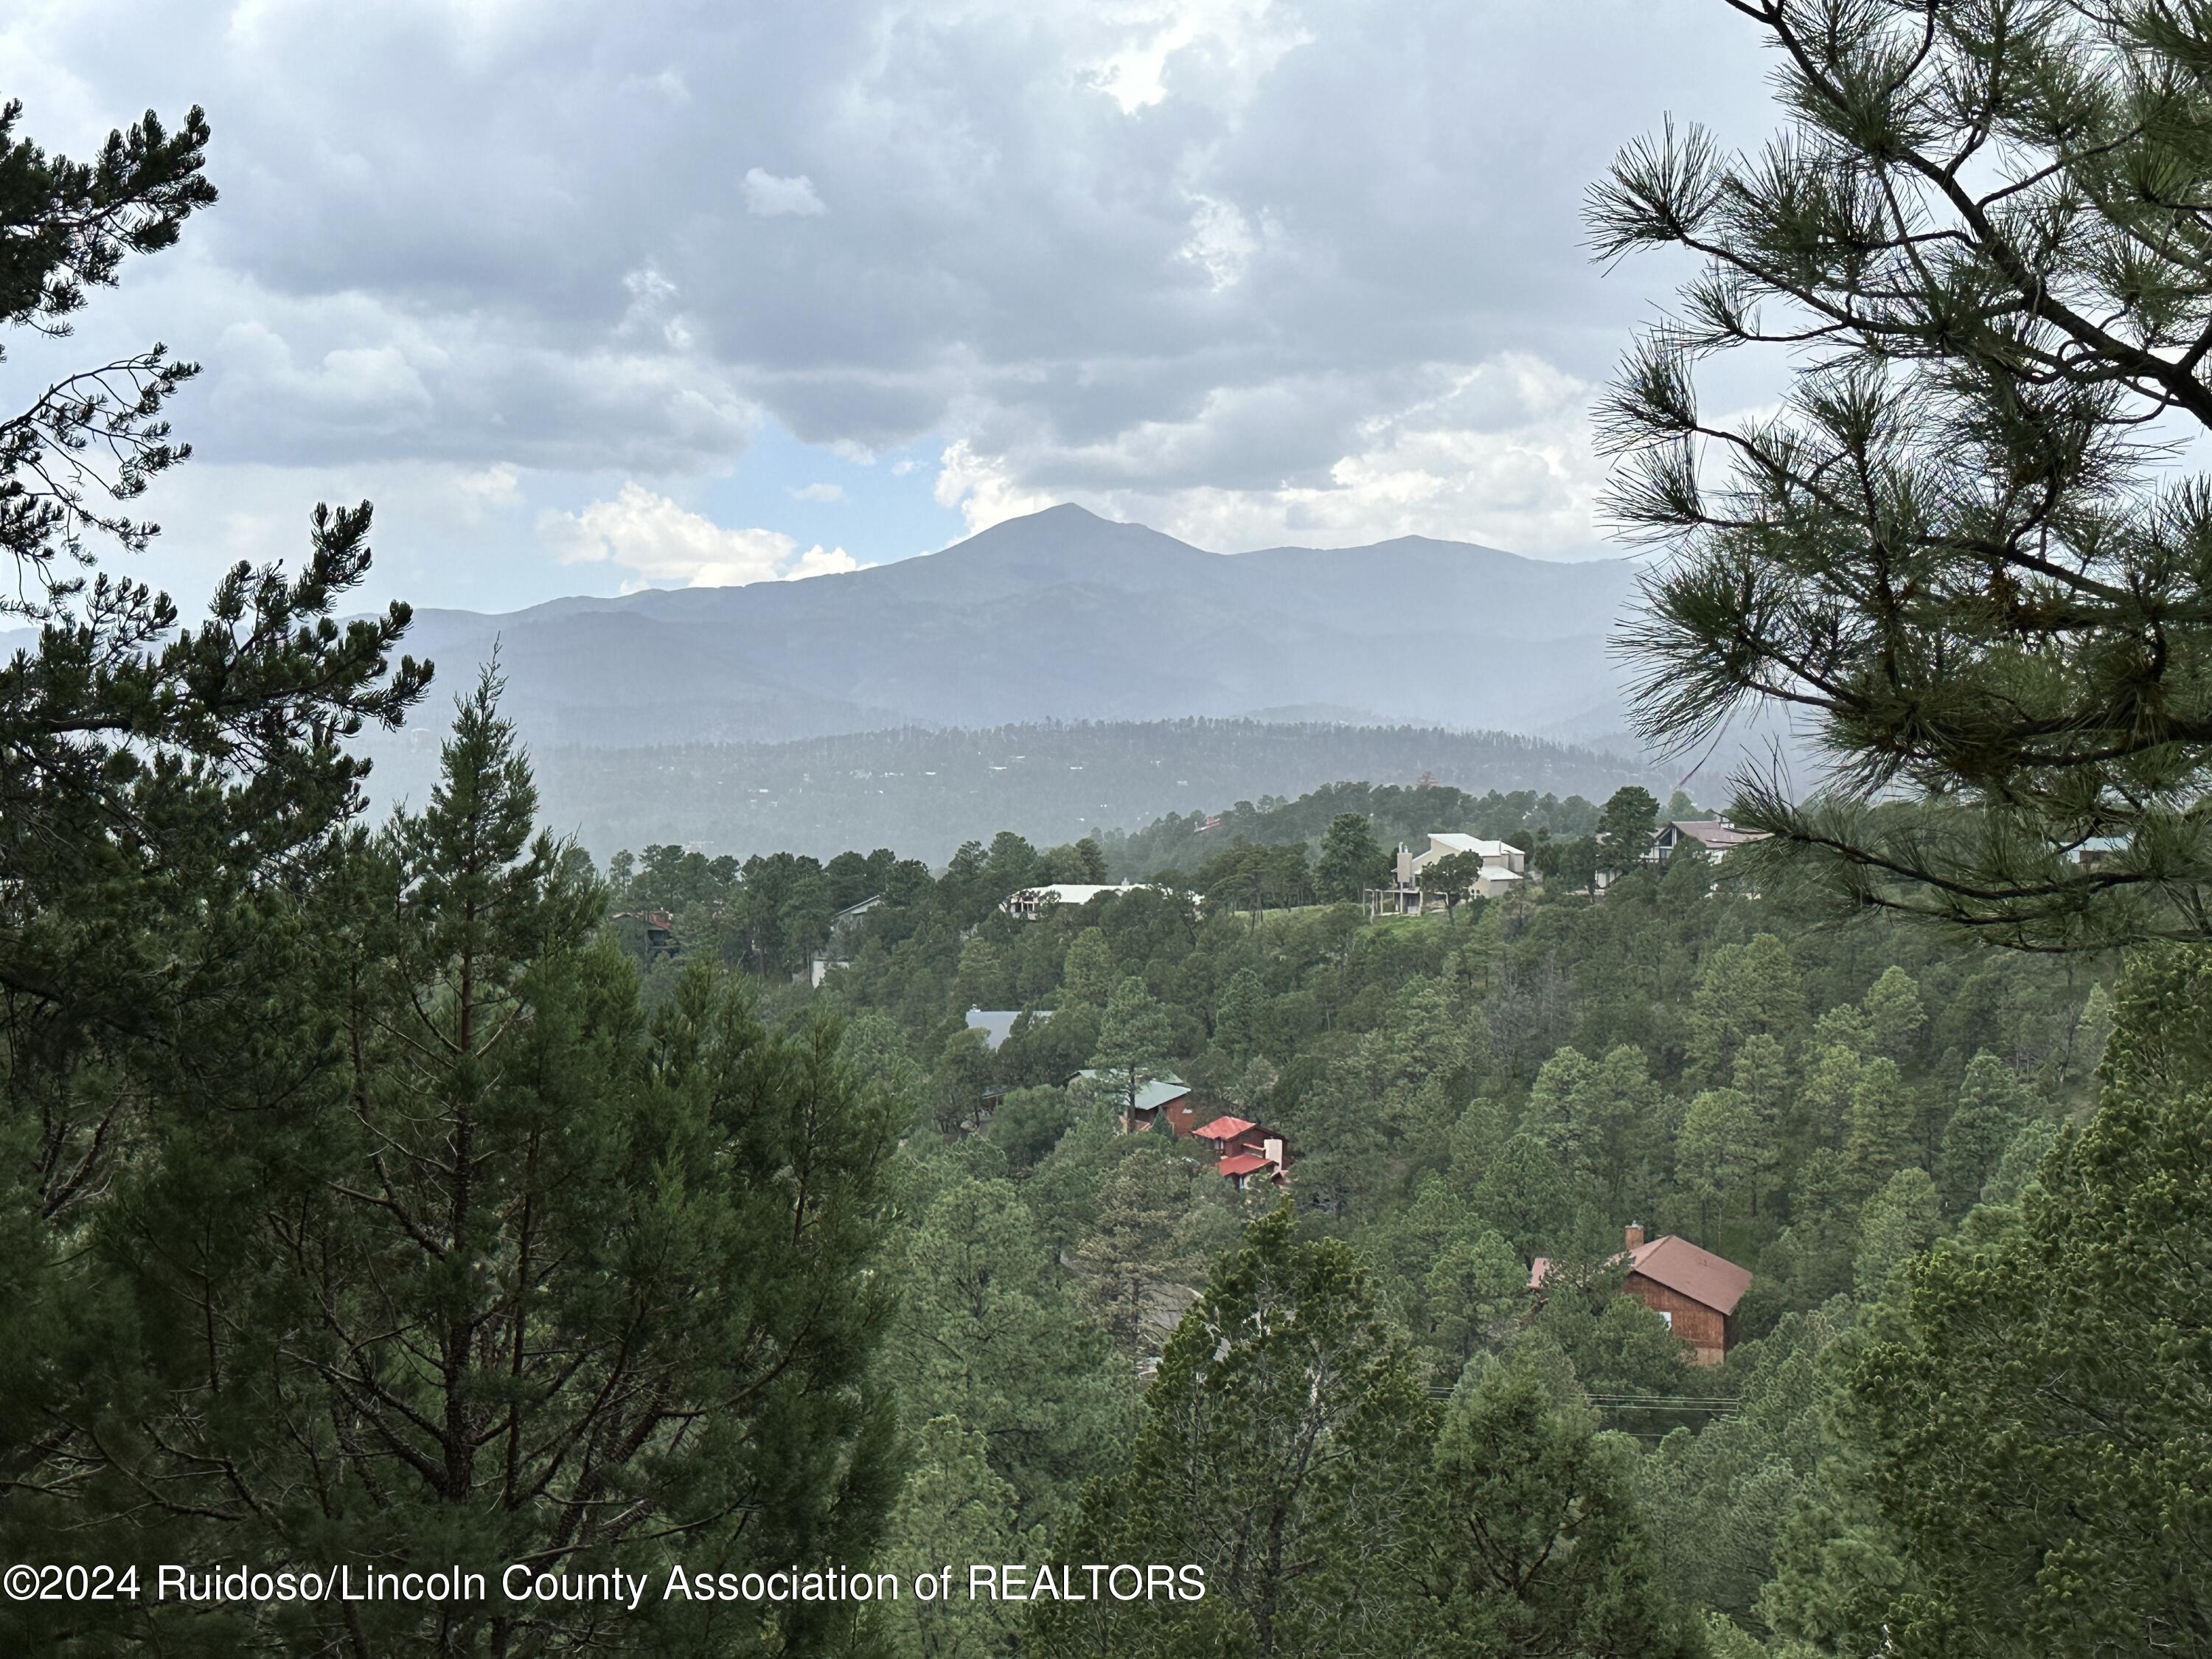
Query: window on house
(1668, 1314)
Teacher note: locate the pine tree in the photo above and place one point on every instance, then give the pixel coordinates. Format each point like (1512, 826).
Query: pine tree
(1088, 976)
(1352, 859)
(1877, 1127)
(168, 788)
(1282, 1446)
(517, 1277)
(1898, 1221)
(988, 1334)
(1476, 1286)
(953, 1508)
(2036, 1354)
(1626, 827)
(1949, 552)
(1236, 1019)
(1761, 1076)
(1133, 1041)
(1894, 1014)
(1746, 990)
(1136, 1247)
(1719, 1150)
(1993, 1106)
(1529, 1540)
(1821, 1112)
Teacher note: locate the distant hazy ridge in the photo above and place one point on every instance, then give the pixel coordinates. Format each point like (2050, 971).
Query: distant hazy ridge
(727, 717)
(922, 792)
(1064, 616)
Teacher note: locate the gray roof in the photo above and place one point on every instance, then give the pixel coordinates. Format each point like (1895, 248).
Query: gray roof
(1152, 1096)
(1711, 833)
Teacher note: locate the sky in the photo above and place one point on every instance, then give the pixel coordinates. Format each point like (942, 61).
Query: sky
(590, 297)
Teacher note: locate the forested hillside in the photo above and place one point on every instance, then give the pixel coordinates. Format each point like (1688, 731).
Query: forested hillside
(926, 791)
(1816, 1102)
(428, 1238)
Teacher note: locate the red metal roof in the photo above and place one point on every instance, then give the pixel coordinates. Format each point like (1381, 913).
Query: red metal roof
(1226, 1128)
(1679, 1266)
(1698, 1274)
(1244, 1163)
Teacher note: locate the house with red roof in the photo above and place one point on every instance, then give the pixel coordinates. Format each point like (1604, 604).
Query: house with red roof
(1230, 1134)
(1694, 1291)
(1246, 1150)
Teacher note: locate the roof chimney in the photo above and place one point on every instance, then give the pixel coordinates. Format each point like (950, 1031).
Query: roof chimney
(1635, 1234)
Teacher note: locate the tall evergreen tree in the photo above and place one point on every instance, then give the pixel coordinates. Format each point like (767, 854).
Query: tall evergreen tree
(1133, 1036)
(1530, 1540)
(521, 1279)
(1993, 1106)
(168, 788)
(1746, 990)
(1350, 860)
(1719, 1150)
(1281, 1448)
(990, 1334)
(1137, 1247)
(1894, 1013)
(1877, 1127)
(952, 1509)
(1626, 827)
(1949, 552)
(2022, 1445)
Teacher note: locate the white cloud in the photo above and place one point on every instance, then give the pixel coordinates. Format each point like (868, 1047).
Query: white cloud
(493, 486)
(1497, 453)
(1252, 270)
(663, 542)
(1221, 242)
(981, 488)
(818, 492)
(1233, 42)
(768, 197)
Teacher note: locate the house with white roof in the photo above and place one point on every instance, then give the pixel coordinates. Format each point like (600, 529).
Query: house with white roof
(1715, 837)
(1504, 869)
(1498, 854)
(1030, 902)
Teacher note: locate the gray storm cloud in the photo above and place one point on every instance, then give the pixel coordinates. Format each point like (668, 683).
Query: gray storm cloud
(1240, 268)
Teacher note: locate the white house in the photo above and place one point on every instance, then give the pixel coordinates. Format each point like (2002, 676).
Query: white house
(1717, 836)
(1030, 902)
(1502, 854)
(1504, 869)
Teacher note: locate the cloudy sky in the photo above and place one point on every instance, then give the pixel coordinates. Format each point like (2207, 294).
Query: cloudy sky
(587, 297)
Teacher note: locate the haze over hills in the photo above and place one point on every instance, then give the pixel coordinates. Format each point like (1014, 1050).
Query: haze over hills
(923, 791)
(1066, 616)
(1140, 675)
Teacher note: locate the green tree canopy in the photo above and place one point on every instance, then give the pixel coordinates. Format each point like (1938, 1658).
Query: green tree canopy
(1625, 826)
(1282, 1446)
(1133, 1036)
(1530, 1540)
(1350, 861)
(2040, 1352)
(514, 1278)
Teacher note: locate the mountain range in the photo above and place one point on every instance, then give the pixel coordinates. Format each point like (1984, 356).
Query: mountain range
(1066, 616)
(1055, 673)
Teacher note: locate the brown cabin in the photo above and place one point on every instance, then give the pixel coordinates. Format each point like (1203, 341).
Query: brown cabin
(1694, 1291)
